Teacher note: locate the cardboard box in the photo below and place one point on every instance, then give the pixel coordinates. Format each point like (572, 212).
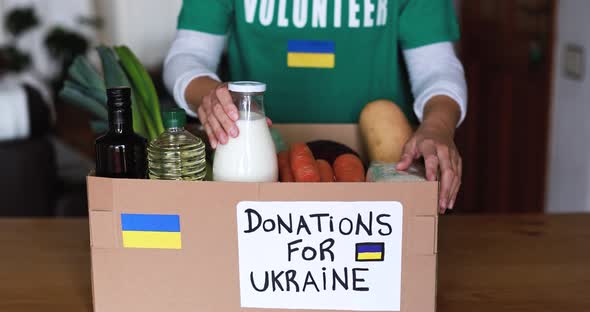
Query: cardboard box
(207, 246)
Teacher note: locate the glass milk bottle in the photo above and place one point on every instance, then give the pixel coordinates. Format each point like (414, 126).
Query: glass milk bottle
(250, 157)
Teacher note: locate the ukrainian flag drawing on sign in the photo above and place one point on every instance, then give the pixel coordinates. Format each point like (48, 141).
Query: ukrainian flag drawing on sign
(370, 251)
(310, 54)
(151, 231)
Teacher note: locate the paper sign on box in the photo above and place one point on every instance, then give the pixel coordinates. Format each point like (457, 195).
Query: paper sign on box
(303, 255)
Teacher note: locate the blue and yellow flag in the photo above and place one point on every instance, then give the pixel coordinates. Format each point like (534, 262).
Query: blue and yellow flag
(311, 54)
(370, 251)
(151, 231)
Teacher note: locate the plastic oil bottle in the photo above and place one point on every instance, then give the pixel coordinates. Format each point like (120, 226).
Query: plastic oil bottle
(176, 154)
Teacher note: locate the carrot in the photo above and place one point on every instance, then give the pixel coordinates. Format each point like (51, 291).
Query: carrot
(285, 173)
(326, 172)
(349, 168)
(303, 165)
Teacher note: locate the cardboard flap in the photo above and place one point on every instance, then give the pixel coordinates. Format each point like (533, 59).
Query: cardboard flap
(100, 194)
(436, 235)
(102, 229)
(425, 198)
(423, 236)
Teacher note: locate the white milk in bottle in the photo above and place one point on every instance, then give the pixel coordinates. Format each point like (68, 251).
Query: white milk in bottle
(251, 157)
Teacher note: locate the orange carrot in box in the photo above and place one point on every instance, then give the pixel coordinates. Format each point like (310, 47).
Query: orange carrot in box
(349, 168)
(303, 165)
(326, 172)
(285, 174)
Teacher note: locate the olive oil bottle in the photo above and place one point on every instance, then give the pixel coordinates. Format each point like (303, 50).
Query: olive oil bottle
(120, 153)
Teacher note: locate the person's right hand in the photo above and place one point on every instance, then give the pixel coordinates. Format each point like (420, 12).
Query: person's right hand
(218, 115)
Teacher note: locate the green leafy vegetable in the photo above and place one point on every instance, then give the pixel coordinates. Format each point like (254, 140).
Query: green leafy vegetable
(76, 97)
(143, 83)
(114, 76)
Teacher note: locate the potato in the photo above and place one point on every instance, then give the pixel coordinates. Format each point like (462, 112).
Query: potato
(385, 130)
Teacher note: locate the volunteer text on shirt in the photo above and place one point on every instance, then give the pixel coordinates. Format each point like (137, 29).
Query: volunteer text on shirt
(275, 11)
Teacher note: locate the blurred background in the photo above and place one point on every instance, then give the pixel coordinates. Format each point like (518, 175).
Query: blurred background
(524, 142)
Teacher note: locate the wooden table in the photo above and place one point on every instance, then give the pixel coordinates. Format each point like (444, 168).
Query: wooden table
(503, 263)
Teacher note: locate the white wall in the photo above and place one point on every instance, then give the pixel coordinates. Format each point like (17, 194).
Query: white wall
(146, 26)
(569, 167)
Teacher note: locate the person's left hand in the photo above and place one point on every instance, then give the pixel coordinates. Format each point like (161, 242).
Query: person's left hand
(438, 149)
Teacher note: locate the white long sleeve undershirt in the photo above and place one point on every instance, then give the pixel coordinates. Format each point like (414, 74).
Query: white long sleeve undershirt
(193, 54)
(433, 69)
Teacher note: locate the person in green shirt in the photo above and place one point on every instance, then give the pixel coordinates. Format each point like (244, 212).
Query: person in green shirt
(324, 60)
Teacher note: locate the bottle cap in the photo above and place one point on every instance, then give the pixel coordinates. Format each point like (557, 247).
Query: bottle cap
(174, 118)
(247, 86)
(119, 96)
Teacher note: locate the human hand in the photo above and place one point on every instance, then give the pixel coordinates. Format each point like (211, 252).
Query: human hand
(438, 149)
(218, 115)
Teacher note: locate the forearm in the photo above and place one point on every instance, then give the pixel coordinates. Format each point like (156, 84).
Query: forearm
(192, 60)
(197, 89)
(435, 71)
(441, 113)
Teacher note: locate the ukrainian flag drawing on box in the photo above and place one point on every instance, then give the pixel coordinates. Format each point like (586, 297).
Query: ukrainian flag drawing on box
(152, 231)
(310, 54)
(370, 251)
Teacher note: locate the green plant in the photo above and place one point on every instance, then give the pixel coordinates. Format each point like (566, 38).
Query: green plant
(17, 22)
(86, 89)
(13, 60)
(62, 45)
(21, 20)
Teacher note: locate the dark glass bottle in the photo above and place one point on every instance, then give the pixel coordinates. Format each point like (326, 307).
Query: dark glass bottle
(120, 153)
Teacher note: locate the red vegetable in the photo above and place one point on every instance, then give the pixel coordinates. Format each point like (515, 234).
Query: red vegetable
(326, 172)
(285, 174)
(303, 165)
(349, 168)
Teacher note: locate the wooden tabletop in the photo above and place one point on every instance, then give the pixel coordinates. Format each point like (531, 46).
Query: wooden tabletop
(502, 263)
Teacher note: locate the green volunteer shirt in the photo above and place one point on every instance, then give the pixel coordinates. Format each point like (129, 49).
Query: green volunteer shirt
(323, 60)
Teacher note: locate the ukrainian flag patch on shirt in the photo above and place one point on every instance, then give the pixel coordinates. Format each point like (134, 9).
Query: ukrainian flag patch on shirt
(311, 54)
(151, 231)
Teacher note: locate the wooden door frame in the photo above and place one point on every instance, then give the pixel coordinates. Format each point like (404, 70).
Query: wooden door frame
(553, 74)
